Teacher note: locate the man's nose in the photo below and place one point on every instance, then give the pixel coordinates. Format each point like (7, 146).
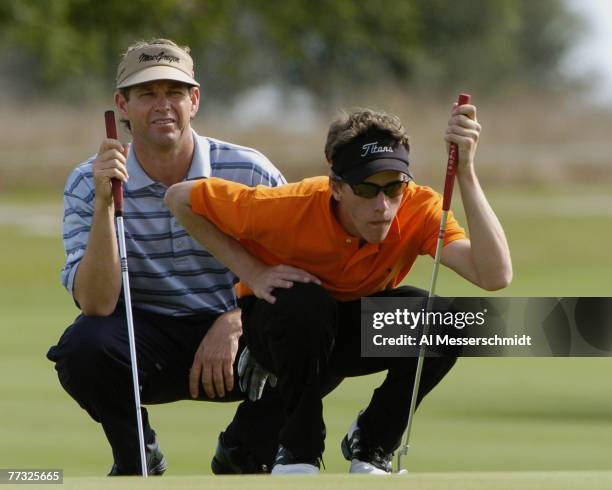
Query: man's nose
(381, 202)
(162, 102)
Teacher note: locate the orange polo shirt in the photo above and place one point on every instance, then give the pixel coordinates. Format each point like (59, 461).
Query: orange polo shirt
(294, 225)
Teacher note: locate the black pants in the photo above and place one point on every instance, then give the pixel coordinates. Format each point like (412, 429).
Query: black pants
(92, 360)
(311, 341)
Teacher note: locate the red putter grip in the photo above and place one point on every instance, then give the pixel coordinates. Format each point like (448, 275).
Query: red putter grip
(111, 132)
(451, 168)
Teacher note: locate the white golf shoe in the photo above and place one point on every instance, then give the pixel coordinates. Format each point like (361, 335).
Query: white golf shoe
(295, 469)
(364, 458)
(286, 464)
(358, 466)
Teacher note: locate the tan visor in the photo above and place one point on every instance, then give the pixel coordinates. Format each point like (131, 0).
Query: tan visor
(155, 62)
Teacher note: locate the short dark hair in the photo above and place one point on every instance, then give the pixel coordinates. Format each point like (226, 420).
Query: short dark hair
(351, 124)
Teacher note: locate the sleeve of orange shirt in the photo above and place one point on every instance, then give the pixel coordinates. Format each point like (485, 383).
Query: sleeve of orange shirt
(431, 226)
(224, 203)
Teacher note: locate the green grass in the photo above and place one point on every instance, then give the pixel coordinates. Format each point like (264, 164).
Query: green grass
(422, 481)
(489, 415)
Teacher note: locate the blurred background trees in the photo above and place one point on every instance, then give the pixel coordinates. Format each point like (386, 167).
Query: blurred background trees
(70, 48)
(274, 72)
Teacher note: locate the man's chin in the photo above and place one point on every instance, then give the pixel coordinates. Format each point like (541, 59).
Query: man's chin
(165, 139)
(375, 238)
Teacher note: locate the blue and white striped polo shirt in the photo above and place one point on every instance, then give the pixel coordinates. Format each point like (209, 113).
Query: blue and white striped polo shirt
(170, 273)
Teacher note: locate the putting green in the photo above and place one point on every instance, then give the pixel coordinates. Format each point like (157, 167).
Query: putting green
(421, 481)
(488, 415)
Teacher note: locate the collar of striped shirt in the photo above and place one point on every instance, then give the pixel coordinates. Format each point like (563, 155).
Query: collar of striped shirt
(200, 165)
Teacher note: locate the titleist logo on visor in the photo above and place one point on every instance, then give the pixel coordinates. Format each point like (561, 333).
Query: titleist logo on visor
(370, 148)
(368, 154)
(143, 58)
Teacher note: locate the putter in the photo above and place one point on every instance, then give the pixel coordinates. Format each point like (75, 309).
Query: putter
(451, 170)
(111, 132)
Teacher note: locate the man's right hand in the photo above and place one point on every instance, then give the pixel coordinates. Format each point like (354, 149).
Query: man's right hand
(97, 283)
(109, 164)
(278, 276)
(213, 363)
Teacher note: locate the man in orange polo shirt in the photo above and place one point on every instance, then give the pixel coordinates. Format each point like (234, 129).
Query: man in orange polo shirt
(308, 251)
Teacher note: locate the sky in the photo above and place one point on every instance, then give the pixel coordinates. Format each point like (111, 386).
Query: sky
(593, 54)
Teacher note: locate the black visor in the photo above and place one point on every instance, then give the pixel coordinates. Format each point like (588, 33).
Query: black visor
(367, 155)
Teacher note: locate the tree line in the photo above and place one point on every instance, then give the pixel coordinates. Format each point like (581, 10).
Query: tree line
(72, 47)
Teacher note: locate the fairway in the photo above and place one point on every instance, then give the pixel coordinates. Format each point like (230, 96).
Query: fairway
(492, 423)
(423, 481)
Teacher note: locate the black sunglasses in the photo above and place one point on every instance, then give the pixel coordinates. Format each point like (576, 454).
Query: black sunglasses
(369, 190)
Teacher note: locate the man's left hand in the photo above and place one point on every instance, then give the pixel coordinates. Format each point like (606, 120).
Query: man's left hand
(464, 130)
(213, 363)
(252, 376)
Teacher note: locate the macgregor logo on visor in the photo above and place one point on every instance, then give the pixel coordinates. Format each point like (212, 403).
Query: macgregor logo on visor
(373, 147)
(143, 58)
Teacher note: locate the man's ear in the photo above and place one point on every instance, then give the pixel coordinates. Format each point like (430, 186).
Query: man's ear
(194, 95)
(121, 104)
(336, 188)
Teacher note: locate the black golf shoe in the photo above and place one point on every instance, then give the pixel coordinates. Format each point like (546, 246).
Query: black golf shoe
(364, 457)
(235, 460)
(156, 463)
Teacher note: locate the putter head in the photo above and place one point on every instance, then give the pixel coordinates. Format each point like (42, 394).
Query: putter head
(401, 452)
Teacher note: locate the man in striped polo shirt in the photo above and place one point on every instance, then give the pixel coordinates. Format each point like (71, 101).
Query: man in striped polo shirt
(187, 325)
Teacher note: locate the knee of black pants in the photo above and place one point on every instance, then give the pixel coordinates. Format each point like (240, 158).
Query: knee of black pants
(83, 350)
(302, 322)
(304, 299)
(306, 312)
(402, 370)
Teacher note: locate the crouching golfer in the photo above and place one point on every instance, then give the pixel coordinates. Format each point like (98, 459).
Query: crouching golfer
(187, 326)
(359, 232)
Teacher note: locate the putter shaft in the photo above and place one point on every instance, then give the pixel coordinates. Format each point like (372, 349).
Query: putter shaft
(419, 369)
(127, 298)
(111, 132)
(449, 182)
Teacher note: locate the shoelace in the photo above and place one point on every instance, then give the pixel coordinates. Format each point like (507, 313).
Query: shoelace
(319, 460)
(379, 458)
